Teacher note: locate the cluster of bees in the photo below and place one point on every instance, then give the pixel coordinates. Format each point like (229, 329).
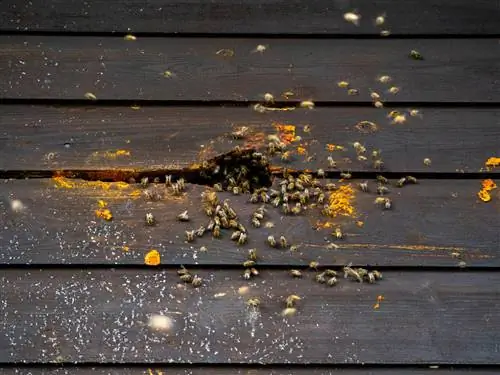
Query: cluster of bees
(383, 189)
(290, 304)
(187, 277)
(157, 191)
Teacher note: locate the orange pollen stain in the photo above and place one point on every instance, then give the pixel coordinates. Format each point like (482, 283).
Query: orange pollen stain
(152, 258)
(492, 162)
(340, 202)
(104, 213)
(286, 132)
(487, 186)
(331, 147)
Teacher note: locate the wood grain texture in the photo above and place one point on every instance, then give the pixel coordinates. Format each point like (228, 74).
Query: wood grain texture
(63, 67)
(237, 370)
(434, 223)
(102, 315)
(271, 17)
(48, 138)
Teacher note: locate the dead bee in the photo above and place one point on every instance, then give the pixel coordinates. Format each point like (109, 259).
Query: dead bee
(338, 233)
(216, 231)
(252, 254)
(187, 278)
(332, 281)
(236, 235)
(189, 235)
(363, 186)
(144, 182)
(283, 242)
(240, 132)
(200, 231)
(295, 273)
(256, 222)
(183, 216)
(243, 239)
(150, 219)
(291, 299)
(411, 179)
(353, 274)
(271, 241)
(253, 302)
(345, 175)
(320, 278)
(401, 182)
(381, 189)
(218, 187)
(248, 263)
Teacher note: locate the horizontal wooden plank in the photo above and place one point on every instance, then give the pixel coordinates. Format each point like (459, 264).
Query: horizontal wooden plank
(102, 316)
(64, 67)
(271, 17)
(237, 370)
(48, 138)
(434, 223)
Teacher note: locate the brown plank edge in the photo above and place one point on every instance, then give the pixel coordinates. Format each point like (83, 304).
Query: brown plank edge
(65, 67)
(49, 138)
(102, 316)
(273, 17)
(233, 369)
(434, 223)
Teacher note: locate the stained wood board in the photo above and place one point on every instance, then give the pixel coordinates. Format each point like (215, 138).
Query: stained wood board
(271, 17)
(102, 316)
(434, 223)
(67, 67)
(48, 138)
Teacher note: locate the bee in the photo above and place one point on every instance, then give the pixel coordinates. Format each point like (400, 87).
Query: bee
(224, 222)
(376, 154)
(243, 239)
(242, 228)
(253, 302)
(387, 204)
(210, 225)
(129, 37)
(291, 299)
(394, 90)
(401, 182)
(252, 254)
(415, 55)
(176, 189)
(362, 272)
(203, 249)
(305, 178)
(261, 48)
(382, 179)
(216, 231)
(298, 183)
(283, 242)
(321, 198)
(254, 272)
(187, 278)
(321, 173)
(271, 241)
(379, 21)
(268, 98)
(236, 235)
(189, 235)
(182, 271)
(352, 17)
(269, 224)
(343, 84)
(285, 156)
(384, 79)
(370, 277)
(362, 158)
(258, 215)
(240, 132)
(427, 162)
(381, 189)
(225, 52)
(248, 263)
(294, 248)
(353, 92)
(350, 272)
(168, 180)
(218, 187)
(374, 95)
(289, 311)
(290, 186)
(264, 197)
(345, 175)
(285, 208)
(313, 264)
(320, 278)
(331, 163)
(254, 198)
(378, 164)
(360, 149)
(378, 104)
(379, 200)
(236, 190)
(90, 96)
(377, 275)
(182, 183)
(233, 224)
(332, 281)
(196, 281)
(183, 216)
(307, 104)
(414, 112)
(247, 274)
(230, 212)
(295, 273)
(297, 209)
(330, 273)
(144, 182)
(399, 119)
(256, 222)
(363, 186)
(411, 180)
(338, 233)
(276, 201)
(288, 94)
(200, 231)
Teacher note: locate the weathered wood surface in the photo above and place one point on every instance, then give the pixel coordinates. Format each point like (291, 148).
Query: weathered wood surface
(48, 138)
(434, 223)
(101, 316)
(64, 67)
(215, 370)
(271, 17)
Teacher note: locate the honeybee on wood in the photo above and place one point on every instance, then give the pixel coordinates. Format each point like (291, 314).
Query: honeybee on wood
(382, 179)
(378, 164)
(352, 17)
(256, 222)
(295, 273)
(252, 254)
(353, 92)
(218, 187)
(271, 241)
(200, 231)
(248, 263)
(370, 277)
(253, 302)
(150, 219)
(289, 311)
(427, 162)
(297, 209)
(343, 84)
(242, 239)
(189, 235)
(254, 198)
(182, 271)
(183, 216)
(254, 271)
(307, 104)
(320, 278)
(216, 231)
(345, 175)
(384, 79)
(283, 242)
(321, 173)
(381, 189)
(247, 274)
(187, 278)
(415, 55)
(331, 163)
(235, 235)
(197, 281)
(377, 274)
(351, 273)
(291, 299)
(411, 179)
(332, 281)
(313, 264)
(363, 186)
(268, 97)
(401, 182)
(330, 273)
(338, 233)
